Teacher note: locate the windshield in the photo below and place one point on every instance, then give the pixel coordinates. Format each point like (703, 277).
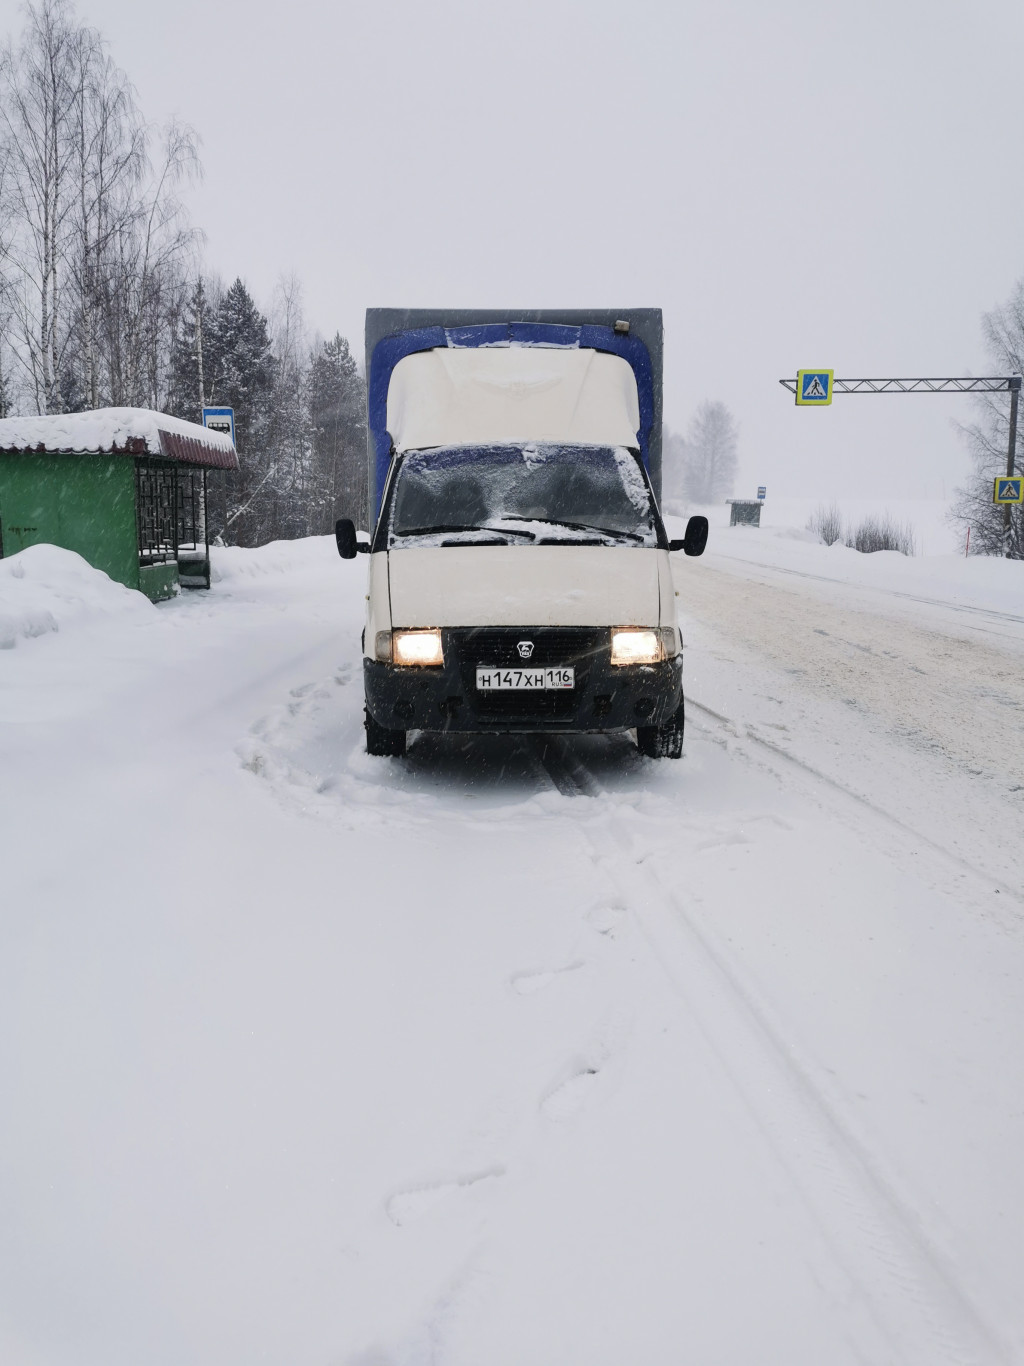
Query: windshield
(525, 494)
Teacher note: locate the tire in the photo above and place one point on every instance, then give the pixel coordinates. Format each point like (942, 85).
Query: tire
(382, 741)
(663, 742)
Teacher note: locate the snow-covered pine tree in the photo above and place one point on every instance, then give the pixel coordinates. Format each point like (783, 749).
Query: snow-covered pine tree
(240, 371)
(187, 393)
(336, 396)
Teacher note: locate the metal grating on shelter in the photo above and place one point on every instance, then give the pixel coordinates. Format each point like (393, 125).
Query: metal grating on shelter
(156, 509)
(744, 511)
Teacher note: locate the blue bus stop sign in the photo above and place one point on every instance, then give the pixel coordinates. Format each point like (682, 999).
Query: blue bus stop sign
(761, 491)
(220, 420)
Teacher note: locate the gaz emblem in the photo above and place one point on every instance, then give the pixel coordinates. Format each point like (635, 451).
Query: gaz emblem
(525, 648)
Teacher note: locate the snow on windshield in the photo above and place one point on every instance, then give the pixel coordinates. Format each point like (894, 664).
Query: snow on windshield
(522, 493)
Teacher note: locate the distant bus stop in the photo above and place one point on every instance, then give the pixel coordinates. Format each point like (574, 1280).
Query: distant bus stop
(744, 511)
(126, 488)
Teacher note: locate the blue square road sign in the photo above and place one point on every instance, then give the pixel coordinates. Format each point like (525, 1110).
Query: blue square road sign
(1009, 489)
(814, 388)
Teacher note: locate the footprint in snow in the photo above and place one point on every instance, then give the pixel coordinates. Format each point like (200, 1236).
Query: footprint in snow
(529, 983)
(605, 919)
(406, 1206)
(569, 1097)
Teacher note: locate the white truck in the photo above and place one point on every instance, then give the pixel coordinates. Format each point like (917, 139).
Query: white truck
(519, 571)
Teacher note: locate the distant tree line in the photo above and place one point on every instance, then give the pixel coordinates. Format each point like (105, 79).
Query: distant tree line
(700, 467)
(103, 301)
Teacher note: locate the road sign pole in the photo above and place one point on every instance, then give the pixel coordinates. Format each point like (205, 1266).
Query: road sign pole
(1011, 456)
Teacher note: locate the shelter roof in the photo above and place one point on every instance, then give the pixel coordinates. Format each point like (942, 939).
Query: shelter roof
(118, 431)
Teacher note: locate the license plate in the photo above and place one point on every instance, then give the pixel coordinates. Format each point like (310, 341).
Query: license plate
(515, 680)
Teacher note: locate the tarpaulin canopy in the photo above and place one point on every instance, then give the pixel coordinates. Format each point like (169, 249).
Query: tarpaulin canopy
(467, 396)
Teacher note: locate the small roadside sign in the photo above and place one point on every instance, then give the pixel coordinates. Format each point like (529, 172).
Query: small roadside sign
(220, 420)
(1009, 489)
(814, 388)
(761, 491)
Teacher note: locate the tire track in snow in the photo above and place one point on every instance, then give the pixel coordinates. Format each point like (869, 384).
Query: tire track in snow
(728, 729)
(911, 1304)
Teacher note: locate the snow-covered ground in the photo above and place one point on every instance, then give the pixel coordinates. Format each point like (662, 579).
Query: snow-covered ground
(513, 1051)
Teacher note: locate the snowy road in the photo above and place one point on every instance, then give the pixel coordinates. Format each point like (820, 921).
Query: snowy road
(511, 1051)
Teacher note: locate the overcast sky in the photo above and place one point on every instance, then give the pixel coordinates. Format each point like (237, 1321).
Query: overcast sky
(795, 185)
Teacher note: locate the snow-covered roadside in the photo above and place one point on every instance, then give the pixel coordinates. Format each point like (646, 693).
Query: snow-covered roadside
(954, 592)
(313, 1057)
(46, 589)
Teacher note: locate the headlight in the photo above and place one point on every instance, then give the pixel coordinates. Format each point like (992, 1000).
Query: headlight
(637, 647)
(415, 648)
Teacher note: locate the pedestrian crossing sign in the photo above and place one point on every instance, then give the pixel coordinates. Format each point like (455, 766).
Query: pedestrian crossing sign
(1009, 489)
(814, 388)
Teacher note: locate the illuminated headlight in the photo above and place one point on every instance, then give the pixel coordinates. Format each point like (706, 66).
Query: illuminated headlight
(415, 648)
(645, 647)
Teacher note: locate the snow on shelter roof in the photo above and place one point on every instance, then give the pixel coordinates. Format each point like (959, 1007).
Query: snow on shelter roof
(118, 431)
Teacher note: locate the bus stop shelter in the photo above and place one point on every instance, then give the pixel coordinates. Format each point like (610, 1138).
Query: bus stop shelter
(744, 511)
(126, 488)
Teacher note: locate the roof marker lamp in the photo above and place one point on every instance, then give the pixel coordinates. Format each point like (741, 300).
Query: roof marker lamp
(416, 649)
(637, 647)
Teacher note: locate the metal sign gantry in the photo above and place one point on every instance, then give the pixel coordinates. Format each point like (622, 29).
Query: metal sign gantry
(969, 384)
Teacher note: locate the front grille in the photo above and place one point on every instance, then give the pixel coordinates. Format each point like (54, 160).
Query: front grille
(497, 647)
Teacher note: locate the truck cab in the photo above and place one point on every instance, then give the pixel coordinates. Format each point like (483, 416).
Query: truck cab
(519, 570)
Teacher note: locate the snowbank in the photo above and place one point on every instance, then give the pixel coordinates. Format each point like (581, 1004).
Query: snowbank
(934, 534)
(233, 564)
(977, 581)
(45, 588)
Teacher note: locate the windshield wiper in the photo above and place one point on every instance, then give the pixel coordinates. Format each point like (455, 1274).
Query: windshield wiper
(440, 530)
(584, 526)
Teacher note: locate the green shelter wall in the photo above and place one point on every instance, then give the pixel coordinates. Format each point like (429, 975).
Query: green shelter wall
(84, 503)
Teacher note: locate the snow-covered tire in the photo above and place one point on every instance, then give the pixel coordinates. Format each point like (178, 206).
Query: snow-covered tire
(382, 741)
(662, 742)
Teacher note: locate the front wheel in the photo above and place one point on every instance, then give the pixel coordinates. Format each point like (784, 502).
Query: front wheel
(382, 741)
(662, 742)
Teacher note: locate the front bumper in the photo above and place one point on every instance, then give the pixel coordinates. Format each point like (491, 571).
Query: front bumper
(605, 697)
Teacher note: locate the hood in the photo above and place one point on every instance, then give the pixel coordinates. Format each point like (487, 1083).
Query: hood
(525, 586)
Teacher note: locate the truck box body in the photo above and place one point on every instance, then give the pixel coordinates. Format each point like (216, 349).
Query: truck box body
(519, 575)
(394, 333)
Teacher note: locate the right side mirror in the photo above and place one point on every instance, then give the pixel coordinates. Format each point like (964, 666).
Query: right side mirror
(345, 535)
(696, 537)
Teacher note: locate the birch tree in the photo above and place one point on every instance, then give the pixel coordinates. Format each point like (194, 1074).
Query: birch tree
(987, 439)
(98, 244)
(39, 81)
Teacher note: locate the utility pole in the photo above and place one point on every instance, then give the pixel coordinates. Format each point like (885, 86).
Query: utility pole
(1011, 455)
(200, 303)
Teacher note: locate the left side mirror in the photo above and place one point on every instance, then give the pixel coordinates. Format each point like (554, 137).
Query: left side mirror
(696, 537)
(345, 535)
